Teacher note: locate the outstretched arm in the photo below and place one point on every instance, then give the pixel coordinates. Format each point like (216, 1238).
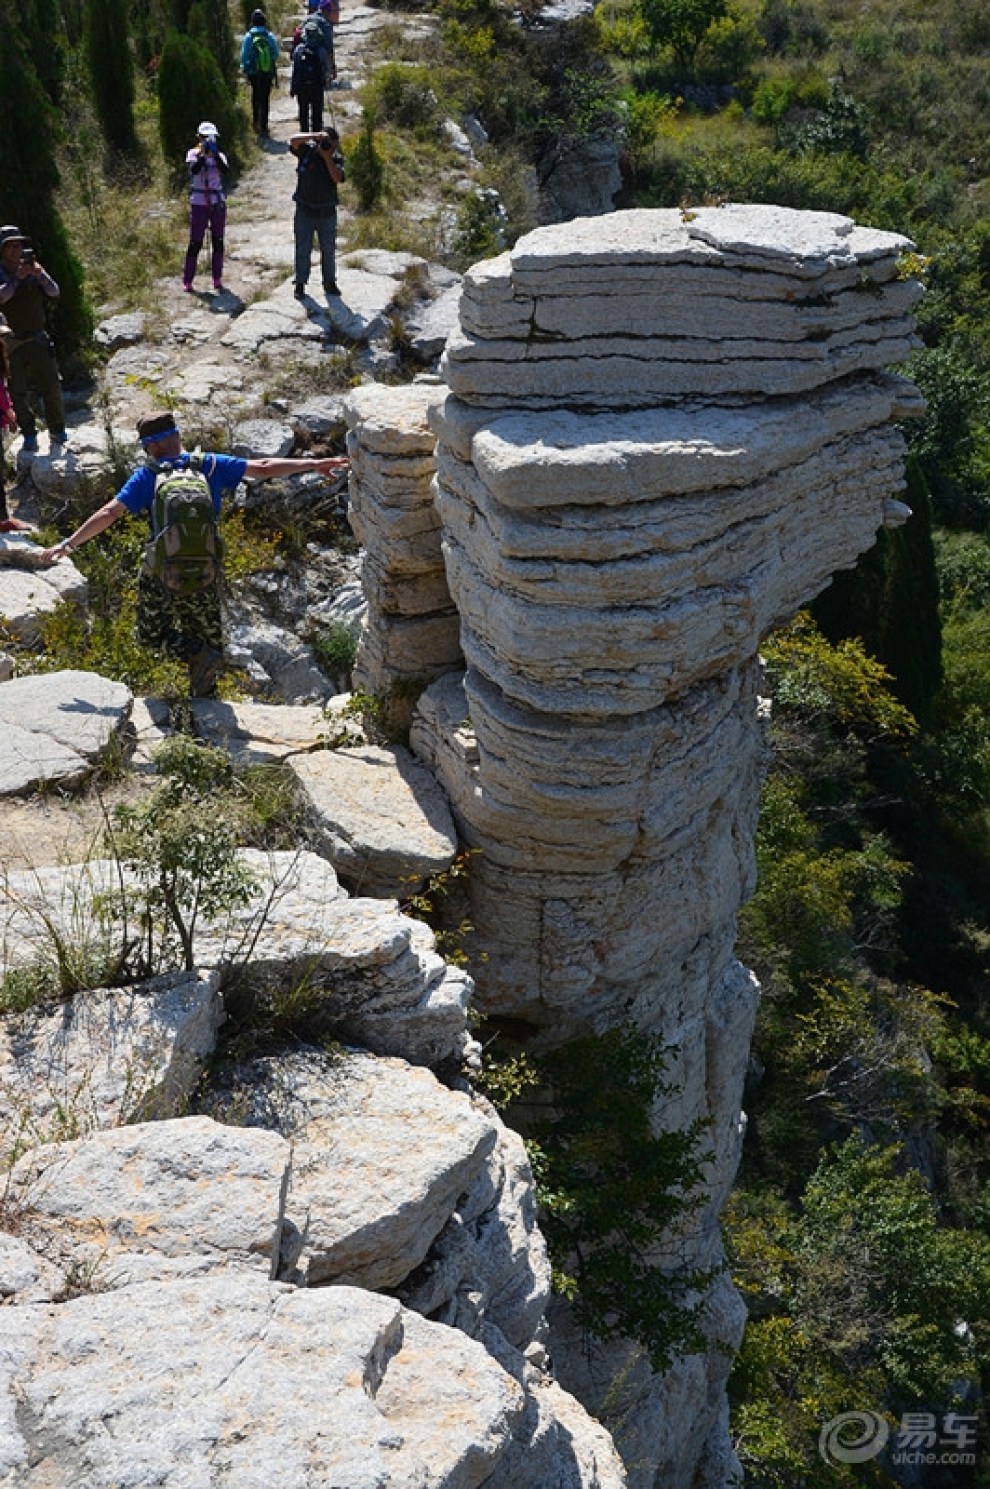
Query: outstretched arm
(95, 524)
(268, 467)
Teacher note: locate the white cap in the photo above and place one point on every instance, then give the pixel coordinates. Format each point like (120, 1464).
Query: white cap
(207, 128)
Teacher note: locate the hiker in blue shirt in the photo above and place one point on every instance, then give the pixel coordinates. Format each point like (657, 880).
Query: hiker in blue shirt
(187, 626)
(259, 59)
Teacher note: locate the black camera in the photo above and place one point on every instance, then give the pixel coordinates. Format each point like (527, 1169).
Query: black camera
(27, 256)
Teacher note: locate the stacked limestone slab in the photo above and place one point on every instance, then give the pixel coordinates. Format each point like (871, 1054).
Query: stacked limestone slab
(411, 633)
(664, 432)
(641, 307)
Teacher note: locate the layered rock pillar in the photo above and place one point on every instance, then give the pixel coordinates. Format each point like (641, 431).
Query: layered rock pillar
(411, 634)
(664, 432)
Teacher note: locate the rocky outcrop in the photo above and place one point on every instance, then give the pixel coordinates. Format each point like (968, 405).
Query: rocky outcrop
(165, 1302)
(55, 728)
(378, 815)
(664, 432)
(384, 984)
(411, 634)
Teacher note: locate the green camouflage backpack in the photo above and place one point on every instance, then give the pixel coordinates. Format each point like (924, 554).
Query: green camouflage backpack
(185, 550)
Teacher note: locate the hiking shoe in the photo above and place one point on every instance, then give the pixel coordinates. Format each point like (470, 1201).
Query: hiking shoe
(332, 289)
(300, 292)
(218, 286)
(204, 670)
(30, 445)
(187, 286)
(59, 438)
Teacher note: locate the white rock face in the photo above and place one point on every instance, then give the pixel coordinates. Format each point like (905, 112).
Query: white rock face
(55, 727)
(665, 432)
(236, 1381)
(641, 307)
(386, 987)
(28, 593)
(411, 632)
(148, 1340)
(378, 815)
(104, 1057)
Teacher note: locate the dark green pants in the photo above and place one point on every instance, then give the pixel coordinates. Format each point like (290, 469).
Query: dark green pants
(33, 365)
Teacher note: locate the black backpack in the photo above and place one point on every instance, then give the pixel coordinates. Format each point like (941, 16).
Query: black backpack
(307, 66)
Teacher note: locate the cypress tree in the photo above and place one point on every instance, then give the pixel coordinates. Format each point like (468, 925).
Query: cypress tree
(29, 182)
(111, 71)
(890, 601)
(209, 22)
(191, 88)
(40, 25)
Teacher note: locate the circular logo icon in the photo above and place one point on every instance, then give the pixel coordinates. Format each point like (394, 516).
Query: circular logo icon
(853, 1437)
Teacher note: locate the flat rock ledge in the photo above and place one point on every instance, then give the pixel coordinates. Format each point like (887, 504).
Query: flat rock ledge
(378, 815)
(56, 727)
(385, 985)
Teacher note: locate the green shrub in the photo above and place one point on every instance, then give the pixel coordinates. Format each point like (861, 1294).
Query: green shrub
(403, 95)
(365, 167)
(335, 645)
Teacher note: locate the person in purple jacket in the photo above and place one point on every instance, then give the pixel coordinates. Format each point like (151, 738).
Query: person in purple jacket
(207, 167)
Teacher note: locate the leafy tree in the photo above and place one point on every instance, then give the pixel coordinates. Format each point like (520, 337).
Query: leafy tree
(680, 25)
(111, 71)
(611, 1189)
(208, 22)
(39, 23)
(181, 846)
(890, 603)
(857, 1296)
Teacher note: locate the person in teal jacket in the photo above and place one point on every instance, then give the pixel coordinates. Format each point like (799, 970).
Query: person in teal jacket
(259, 63)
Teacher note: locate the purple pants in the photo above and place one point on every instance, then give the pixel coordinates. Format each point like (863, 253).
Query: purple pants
(200, 217)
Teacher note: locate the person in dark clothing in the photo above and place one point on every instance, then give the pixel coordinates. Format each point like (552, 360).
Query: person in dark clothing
(306, 86)
(259, 64)
(8, 420)
(320, 170)
(25, 290)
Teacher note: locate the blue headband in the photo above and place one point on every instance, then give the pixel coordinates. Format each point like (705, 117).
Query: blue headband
(152, 439)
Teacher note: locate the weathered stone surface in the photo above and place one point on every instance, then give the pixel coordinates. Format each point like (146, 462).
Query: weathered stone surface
(120, 330)
(260, 733)
(649, 309)
(56, 726)
(241, 1382)
(427, 328)
(262, 437)
(489, 1263)
(411, 626)
(386, 986)
(382, 1157)
(29, 593)
(579, 178)
(104, 1057)
(378, 816)
(141, 1202)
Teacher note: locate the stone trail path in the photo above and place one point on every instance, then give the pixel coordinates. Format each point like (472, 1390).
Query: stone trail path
(212, 355)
